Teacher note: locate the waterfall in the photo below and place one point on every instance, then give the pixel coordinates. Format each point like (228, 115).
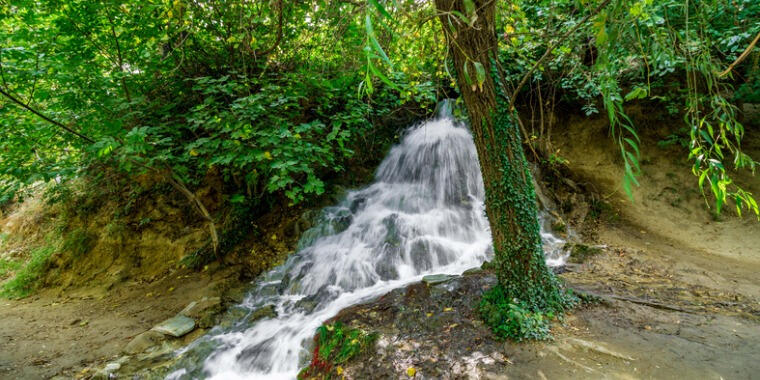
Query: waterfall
(423, 214)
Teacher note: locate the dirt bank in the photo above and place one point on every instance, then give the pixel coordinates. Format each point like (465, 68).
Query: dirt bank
(48, 334)
(113, 271)
(668, 202)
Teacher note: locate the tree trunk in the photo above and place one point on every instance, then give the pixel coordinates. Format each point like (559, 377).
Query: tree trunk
(510, 196)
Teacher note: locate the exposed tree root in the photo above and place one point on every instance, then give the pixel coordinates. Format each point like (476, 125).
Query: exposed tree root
(597, 348)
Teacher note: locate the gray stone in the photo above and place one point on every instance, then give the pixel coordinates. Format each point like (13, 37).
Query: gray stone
(158, 354)
(472, 271)
(144, 341)
(270, 290)
(203, 310)
(176, 326)
(421, 256)
(434, 279)
(267, 311)
(112, 367)
(107, 372)
(308, 305)
(233, 316)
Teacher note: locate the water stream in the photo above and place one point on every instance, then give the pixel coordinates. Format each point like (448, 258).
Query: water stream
(423, 214)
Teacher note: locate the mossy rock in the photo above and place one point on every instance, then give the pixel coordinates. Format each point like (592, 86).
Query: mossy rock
(580, 253)
(268, 311)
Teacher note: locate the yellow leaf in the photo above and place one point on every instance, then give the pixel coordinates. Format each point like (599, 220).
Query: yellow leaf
(429, 315)
(509, 29)
(448, 309)
(339, 370)
(193, 152)
(411, 371)
(274, 237)
(268, 155)
(297, 135)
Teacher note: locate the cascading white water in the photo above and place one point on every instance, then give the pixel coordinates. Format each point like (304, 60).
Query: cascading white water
(423, 214)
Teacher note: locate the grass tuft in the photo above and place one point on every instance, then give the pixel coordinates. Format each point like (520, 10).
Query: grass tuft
(26, 279)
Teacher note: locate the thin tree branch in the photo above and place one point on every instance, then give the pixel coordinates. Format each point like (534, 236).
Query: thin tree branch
(119, 57)
(168, 175)
(744, 55)
(278, 39)
(34, 84)
(180, 186)
(43, 117)
(549, 50)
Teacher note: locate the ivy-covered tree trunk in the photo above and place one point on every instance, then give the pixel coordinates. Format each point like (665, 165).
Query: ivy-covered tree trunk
(510, 196)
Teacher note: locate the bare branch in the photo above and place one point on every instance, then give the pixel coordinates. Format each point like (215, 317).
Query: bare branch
(44, 117)
(549, 50)
(739, 60)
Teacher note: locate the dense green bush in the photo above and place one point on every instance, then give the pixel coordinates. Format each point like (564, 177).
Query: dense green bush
(516, 320)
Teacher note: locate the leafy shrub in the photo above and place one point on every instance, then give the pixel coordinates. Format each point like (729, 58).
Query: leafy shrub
(512, 318)
(8, 266)
(26, 279)
(334, 344)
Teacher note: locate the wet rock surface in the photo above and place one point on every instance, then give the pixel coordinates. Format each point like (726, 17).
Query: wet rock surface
(433, 330)
(435, 279)
(268, 311)
(144, 341)
(175, 326)
(431, 326)
(204, 311)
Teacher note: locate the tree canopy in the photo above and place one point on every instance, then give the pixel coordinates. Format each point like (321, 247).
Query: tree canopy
(276, 96)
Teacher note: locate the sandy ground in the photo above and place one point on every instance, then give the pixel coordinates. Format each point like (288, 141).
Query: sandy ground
(47, 335)
(668, 202)
(666, 313)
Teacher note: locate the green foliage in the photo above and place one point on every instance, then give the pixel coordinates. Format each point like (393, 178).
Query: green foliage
(334, 345)
(26, 278)
(260, 95)
(7, 267)
(78, 242)
(667, 52)
(258, 140)
(514, 319)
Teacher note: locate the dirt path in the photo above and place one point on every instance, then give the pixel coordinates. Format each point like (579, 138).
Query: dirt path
(48, 335)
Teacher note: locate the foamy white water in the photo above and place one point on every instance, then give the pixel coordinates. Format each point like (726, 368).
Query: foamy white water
(423, 214)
